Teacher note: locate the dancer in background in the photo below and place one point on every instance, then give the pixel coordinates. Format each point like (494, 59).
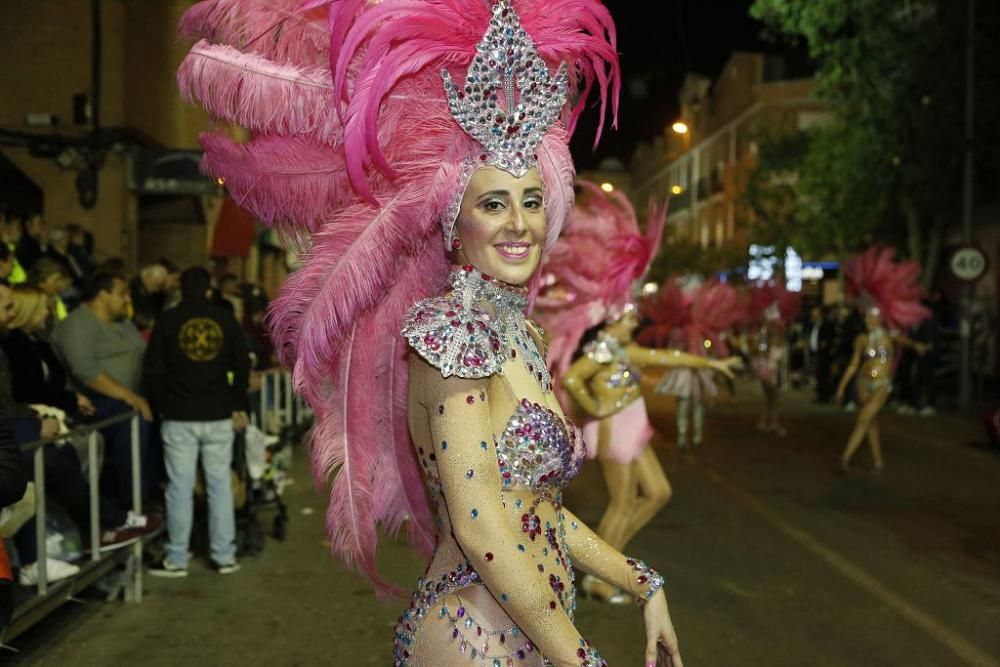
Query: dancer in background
(586, 305)
(695, 320)
(889, 297)
(772, 307)
(428, 175)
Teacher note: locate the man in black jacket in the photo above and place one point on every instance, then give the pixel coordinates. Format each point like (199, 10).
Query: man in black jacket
(197, 369)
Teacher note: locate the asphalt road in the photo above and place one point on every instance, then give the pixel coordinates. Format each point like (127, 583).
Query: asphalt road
(770, 558)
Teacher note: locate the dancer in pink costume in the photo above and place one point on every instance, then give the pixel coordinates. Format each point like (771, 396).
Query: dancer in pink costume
(772, 310)
(889, 297)
(589, 278)
(391, 139)
(696, 320)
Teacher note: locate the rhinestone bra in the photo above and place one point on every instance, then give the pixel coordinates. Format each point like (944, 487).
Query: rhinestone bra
(539, 449)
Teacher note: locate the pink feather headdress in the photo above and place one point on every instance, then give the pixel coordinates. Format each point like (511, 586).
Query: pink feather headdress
(589, 274)
(773, 303)
(355, 152)
(685, 319)
(876, 279)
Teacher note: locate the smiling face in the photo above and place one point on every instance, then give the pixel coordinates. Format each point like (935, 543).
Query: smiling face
(501, 225)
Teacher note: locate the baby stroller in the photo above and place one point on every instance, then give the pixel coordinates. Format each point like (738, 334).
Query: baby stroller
(260, 468)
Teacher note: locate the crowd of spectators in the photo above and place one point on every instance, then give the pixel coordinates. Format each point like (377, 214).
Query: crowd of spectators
(82, 341)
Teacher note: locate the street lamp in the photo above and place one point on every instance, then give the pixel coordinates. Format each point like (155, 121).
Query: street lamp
(680, 127)
(676, 189)
(607, 187)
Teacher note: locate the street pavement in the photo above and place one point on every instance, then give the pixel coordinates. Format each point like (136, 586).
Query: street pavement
(770, 559)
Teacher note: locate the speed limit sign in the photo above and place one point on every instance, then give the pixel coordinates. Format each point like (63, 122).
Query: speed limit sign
(968, 263)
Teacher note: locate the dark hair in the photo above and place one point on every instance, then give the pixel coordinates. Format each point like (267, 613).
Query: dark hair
(43, 268)
(5, 253)
(195, 283)
(100, 282)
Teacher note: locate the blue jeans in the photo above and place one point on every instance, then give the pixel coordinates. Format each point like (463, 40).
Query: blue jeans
(181, 443)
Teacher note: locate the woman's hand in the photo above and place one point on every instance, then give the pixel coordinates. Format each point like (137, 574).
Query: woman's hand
(84, 406)
(660, 631)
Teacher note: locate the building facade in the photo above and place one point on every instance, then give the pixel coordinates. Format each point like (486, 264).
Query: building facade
(704, 169)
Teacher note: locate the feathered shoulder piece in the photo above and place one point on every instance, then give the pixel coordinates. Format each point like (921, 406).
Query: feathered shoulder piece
(454, 336)
(472, 331)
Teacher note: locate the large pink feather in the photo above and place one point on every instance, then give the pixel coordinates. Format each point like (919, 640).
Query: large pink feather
(279, 30)
(259, 94)
(876, 277)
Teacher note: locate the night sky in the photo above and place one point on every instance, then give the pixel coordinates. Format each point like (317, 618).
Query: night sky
(694, 36)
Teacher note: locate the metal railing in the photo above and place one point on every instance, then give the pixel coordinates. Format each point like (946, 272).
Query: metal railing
(49, 595)
(278, 404)
(276, 407)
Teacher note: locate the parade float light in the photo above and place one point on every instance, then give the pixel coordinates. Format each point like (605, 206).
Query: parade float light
(676, 189)
(680, 127)
(607, 187)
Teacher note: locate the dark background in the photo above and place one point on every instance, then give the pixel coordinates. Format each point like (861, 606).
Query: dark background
(659, 43)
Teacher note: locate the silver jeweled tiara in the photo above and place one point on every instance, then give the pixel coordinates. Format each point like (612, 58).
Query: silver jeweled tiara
(509, 100)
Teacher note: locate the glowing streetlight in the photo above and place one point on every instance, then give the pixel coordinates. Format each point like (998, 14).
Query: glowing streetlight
(607, 187)
(680, 127)
(676, 189)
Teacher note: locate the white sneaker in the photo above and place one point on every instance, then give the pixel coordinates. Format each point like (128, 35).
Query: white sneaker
(57, 570)
(927, 411)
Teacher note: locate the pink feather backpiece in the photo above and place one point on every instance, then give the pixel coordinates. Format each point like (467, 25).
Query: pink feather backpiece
(353, 151)
(876, 278)
(593, 267)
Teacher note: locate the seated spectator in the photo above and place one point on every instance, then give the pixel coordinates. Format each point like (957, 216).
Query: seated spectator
(10, 235)
(81, 249)
(25, 426)
(59, 250)
(6, 264)
(38, 378)
(12, 487)
(102, 350)
(51, 278)
(33, 242)
(148, 291)
(197, 369)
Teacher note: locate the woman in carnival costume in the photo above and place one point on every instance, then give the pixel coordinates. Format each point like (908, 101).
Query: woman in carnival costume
(589, 278)
(773, 308)
(419, 150)
(696, 320)
(889, 297)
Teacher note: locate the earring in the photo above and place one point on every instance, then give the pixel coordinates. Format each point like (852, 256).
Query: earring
(456, 243)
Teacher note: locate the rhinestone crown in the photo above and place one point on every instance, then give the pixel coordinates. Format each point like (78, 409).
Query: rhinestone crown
(510, 99)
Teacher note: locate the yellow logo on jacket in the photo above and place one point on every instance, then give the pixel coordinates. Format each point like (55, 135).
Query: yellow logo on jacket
(201, 339)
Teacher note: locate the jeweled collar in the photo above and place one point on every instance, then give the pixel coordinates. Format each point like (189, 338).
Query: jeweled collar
(508, 303)
(474, 286)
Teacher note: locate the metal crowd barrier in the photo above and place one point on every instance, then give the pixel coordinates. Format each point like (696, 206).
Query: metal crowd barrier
(50, 596)
(278, 404)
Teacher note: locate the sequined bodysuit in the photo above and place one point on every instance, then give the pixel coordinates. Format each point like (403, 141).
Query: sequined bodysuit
(618, 375)
(876, 362)
(496, 452)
